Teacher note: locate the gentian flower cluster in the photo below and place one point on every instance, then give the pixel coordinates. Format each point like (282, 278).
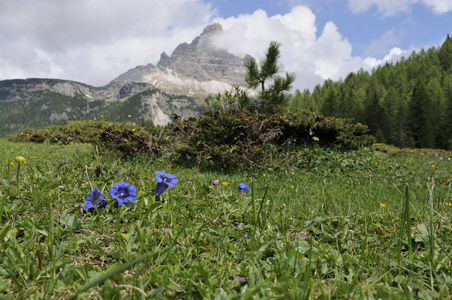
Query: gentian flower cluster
(164, 181)
(95, 199)
(122, 192)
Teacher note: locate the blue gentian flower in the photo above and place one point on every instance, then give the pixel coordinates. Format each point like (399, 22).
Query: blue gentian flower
(122, 192)
(164, 181)
(95, 199)
(243, 188)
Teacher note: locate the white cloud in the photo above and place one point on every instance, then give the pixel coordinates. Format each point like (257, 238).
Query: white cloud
(439, 6)
(394, 55)
(385, 7)
(93, 41)
(312, 58)
(394, 7)
(380, 45)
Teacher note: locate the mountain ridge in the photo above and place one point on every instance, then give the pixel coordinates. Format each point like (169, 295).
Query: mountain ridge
(177, 84)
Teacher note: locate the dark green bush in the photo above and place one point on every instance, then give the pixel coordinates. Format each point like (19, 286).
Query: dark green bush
(221, 139)
(127, 141)
(232, 139)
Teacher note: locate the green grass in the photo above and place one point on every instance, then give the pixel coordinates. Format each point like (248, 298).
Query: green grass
(321, 224)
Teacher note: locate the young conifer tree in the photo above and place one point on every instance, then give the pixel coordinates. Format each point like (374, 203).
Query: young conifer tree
(272, 97)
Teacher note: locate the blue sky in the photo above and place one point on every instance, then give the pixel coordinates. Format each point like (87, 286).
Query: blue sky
(95, 41)
(415, 27)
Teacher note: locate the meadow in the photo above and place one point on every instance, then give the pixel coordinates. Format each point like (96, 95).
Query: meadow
(317, 223)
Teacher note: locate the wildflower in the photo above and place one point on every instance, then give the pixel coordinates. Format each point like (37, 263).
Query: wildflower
(225, 183)
(243, 188)
(164, 181)
(20, 159)
(449, 203)
(428, 200)
(122, 192)
(382, 204)
(133, 129)
(291, 186)
(101, 116)
(215, 182)
(129, 116)
(433, 166)
(264, 175)
(95, 199)
(422, 153)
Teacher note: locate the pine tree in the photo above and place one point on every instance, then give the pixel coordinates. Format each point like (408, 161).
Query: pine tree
(330, 105)
(421, 117)
(445, 55)
(272, 97)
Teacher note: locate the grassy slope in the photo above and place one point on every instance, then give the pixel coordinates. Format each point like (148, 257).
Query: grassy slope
(313, 227)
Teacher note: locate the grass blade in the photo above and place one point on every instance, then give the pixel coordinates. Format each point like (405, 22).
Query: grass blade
(101, 278)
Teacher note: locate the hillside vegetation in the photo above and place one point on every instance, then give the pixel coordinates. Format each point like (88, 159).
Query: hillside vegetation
(250, 201)
(317, 223)
(406, 104)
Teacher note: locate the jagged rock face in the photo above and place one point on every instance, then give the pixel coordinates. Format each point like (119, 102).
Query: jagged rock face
(194, 69)
(202, 61)
(130, 89)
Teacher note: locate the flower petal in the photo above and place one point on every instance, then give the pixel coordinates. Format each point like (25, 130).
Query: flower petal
(160, 188)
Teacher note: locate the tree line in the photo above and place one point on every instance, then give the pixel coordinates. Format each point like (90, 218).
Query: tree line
(406, 104)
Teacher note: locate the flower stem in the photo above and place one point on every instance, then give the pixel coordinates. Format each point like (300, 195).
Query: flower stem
(18, 171)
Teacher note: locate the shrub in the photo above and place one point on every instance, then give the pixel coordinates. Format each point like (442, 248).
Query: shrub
(232, 139)
(127, 141)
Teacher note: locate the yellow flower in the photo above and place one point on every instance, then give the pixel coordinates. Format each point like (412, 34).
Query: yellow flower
(263, 175)
(20, 159)
(225, 183)
(101, 116)
(133, 129)
(6, 160)
(382, 204)
(291, 186)
(433, 166)
(12, 164)
(129, 116)
(449, 203)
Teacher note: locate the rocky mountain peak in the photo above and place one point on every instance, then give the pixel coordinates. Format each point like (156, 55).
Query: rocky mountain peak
(212, 29)
(194, 69)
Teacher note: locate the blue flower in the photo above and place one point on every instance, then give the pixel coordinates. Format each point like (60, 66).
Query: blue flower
(122, 192)
(243, 188)
(95, 199)
(164, 181)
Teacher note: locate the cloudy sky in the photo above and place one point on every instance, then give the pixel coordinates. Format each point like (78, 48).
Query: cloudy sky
(94, 41)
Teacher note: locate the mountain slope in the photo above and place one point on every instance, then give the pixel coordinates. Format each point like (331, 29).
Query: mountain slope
(149, 94)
